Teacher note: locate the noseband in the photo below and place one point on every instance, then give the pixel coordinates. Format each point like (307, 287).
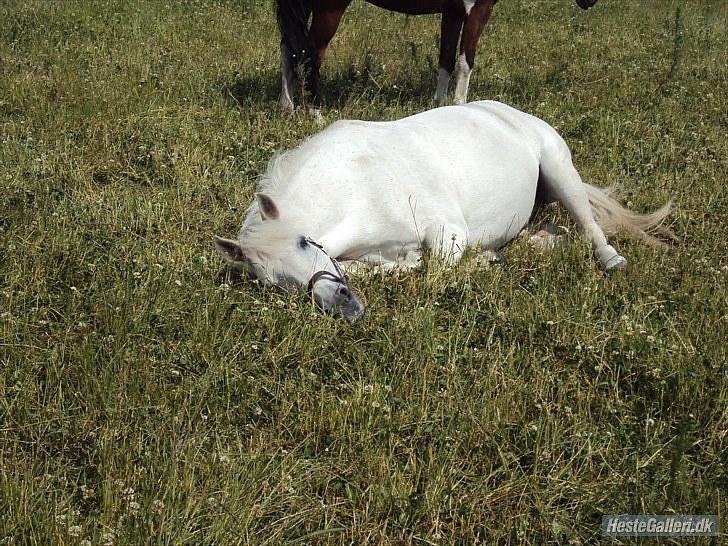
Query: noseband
(339, 277)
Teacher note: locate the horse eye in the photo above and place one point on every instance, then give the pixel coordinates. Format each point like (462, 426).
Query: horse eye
(302, 243)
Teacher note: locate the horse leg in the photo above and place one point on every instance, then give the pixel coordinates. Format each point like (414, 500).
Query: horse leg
(288, 79)
(293, 25)
(323, 27)
(452, 23)
(561, 182)
(475, 22)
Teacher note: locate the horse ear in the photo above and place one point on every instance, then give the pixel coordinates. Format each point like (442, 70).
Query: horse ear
(268, 209)
(230, 250)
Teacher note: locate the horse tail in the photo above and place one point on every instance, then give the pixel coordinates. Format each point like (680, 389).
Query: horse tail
(611, 216)
(293, 24)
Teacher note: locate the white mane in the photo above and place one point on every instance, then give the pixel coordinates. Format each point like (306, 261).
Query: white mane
(274, 174)
(266, 236)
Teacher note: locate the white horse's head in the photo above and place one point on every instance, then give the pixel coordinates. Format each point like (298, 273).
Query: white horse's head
(278, 256)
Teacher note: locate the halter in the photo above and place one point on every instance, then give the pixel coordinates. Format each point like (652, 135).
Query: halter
(340, 277)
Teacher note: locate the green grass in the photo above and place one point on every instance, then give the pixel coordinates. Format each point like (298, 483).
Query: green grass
(147, 396)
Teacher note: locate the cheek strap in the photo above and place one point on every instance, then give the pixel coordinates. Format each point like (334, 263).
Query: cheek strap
(320, 275)
(340, 277)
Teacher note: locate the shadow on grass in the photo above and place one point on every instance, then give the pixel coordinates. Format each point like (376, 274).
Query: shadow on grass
(339, 88)
(233, 277)
(350, 85)
(259, 89)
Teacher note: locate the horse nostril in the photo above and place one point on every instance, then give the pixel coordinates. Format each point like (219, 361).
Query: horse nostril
(344, 292)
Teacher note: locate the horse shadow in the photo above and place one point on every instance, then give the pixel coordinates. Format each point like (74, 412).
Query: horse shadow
(353, 84)
(339, 88)
(259, 89)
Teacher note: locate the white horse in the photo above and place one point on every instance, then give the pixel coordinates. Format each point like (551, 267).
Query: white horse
(381, 192)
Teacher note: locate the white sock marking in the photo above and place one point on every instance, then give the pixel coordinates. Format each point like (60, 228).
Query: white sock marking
(462, 80)
(443, 81)
(288, 81)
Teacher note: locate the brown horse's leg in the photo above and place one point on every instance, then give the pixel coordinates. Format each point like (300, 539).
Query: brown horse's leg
(452, 23)
(288, 80)
(475, 22)
(323, 27)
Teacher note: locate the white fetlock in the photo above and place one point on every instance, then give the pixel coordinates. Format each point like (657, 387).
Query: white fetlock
(610, 259)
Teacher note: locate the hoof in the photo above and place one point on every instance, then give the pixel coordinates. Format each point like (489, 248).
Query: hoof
(617, 263)
(286, 104)
(610, 258)
(438, 102)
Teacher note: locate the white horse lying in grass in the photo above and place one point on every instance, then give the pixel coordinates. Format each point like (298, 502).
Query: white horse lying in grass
(381, 192)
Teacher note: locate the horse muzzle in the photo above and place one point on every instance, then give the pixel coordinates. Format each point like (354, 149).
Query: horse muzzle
(332, 294)
(585, 4)
(353, 309)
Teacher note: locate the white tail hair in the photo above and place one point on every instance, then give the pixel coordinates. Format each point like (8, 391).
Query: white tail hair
(611, 216)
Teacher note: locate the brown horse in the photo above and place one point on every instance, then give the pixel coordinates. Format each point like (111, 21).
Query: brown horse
(304, 46)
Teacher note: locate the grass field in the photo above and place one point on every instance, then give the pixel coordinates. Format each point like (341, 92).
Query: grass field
(147, 396)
